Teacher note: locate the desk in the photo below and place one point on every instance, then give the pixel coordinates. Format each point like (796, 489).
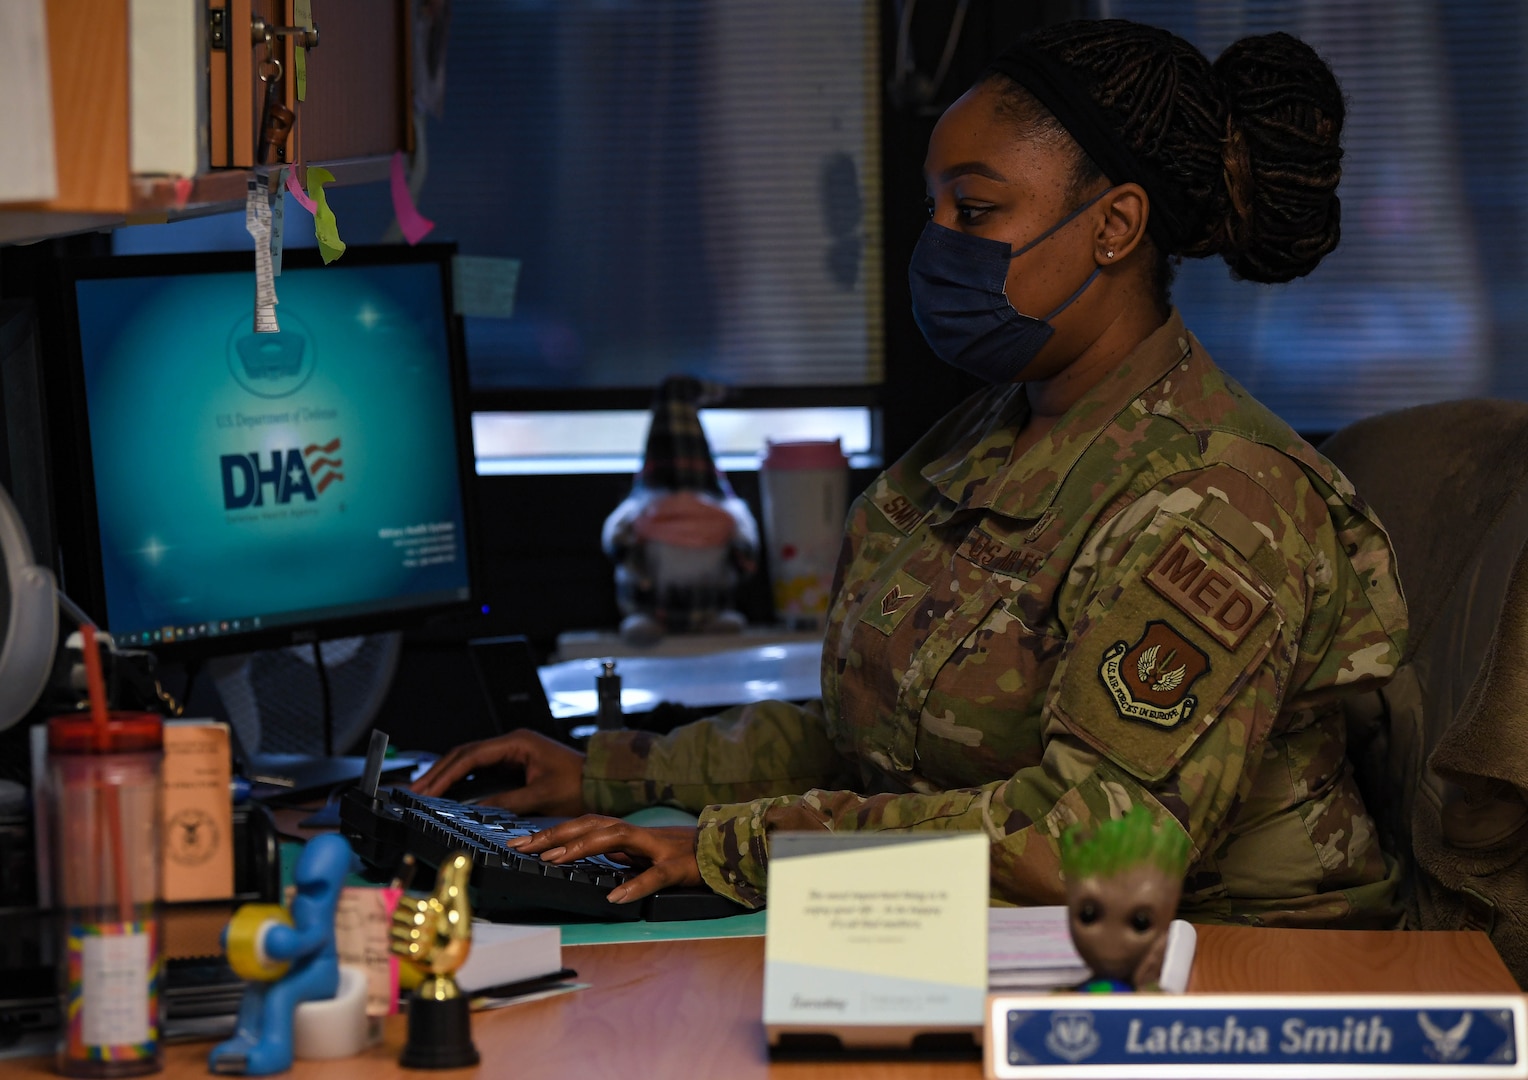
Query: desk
(784, 670)
(692, 1008)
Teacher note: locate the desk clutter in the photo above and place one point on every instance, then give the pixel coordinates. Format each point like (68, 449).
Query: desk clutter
(877, 944)
(1028, 1028)
(290, 960)
(885, 940)
(139, 833)
(319, 967)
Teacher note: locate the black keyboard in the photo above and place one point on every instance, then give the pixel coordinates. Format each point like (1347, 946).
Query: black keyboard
(505, 883)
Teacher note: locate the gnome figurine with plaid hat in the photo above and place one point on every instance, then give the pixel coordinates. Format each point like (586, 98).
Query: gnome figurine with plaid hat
(681, 541)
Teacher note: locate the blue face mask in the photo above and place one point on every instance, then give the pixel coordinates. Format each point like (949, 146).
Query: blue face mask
(958, 286)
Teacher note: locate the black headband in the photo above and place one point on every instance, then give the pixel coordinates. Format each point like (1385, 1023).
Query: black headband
(1055, 87)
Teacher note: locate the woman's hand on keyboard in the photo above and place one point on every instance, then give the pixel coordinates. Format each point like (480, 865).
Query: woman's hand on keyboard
(668, 851)
(554, 773)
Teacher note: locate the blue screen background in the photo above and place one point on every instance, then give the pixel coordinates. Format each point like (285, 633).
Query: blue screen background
(170, 394)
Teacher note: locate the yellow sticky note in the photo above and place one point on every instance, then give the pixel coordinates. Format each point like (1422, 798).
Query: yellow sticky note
(886, 935)
(302, 15)
(325, 228)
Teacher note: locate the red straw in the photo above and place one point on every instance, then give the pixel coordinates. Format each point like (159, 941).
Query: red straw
(111, 803)
(96, 685)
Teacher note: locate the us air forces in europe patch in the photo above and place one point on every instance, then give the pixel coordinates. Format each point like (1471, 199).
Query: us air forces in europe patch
(1161, 654)
(1152, 679)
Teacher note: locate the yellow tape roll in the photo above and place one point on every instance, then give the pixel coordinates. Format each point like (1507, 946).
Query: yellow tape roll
(245, 956)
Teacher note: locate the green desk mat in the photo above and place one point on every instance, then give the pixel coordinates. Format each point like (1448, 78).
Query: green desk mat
(748, 924)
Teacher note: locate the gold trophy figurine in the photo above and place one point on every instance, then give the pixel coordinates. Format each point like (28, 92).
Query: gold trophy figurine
(435, 933)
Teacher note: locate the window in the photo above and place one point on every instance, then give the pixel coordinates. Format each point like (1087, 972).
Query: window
(1424, 300)
(614, 440)
(690, 185)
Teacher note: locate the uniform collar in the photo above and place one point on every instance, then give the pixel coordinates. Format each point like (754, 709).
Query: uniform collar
(1024, 488)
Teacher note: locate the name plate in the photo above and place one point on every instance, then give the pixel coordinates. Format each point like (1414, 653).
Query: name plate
(1320, 1036)
(875, 938)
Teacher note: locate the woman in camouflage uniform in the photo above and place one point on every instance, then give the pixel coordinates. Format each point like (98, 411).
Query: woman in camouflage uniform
(1112, 578)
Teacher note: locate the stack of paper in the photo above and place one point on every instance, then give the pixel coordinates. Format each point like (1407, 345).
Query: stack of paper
(168, 100)
(1031, 949)
(503, 953)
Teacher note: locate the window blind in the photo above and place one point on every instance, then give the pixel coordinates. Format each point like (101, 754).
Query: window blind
(1424, 299)
(690, 185)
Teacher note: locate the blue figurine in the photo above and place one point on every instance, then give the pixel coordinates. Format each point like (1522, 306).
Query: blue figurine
(289, 958)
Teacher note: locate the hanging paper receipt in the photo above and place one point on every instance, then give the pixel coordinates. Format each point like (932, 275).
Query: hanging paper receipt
(874, 938)
(257, 222)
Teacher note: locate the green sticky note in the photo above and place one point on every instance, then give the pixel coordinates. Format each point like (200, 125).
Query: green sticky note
(302, 15)
(484, 285)
(330, 246)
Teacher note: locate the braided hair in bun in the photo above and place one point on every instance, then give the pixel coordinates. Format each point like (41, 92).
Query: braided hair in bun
(1282, 158)
(1241, 158)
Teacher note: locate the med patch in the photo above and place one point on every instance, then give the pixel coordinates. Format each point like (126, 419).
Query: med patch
(1224, 603)
(1152, 680)
(1141, 679)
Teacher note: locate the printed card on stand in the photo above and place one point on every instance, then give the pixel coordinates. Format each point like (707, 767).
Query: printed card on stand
(873, 939)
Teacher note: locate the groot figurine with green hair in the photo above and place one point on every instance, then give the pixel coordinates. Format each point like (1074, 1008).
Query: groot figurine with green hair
(1123, 881)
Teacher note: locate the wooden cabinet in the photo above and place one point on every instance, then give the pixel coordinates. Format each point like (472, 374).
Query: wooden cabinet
(359, 82)
(357, 101)
(87, 57)
(356, 112)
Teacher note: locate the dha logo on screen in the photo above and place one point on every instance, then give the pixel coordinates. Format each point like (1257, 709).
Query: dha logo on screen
(292, 473)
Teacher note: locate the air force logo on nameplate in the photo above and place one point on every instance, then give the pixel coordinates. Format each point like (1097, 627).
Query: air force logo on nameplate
(1320, 1036)
(1071, 1036)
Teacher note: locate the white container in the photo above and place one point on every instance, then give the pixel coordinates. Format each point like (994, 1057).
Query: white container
(805, 489)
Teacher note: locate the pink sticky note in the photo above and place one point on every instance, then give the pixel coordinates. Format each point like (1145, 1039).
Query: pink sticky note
(414, 225)
(298, 193)
(183, 188)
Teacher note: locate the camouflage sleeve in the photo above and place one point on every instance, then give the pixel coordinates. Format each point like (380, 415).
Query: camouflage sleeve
(753, 751)
(1191, 617)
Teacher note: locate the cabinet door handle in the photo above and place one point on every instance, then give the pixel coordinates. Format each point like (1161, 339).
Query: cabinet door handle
(263, 32)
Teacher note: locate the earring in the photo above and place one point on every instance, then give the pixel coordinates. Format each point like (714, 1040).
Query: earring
(1109, 254)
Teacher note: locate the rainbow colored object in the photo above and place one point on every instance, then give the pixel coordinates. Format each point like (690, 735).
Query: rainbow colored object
(78, 946)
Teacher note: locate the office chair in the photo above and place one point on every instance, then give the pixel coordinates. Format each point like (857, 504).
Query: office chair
(1441, 752)
(275, 699)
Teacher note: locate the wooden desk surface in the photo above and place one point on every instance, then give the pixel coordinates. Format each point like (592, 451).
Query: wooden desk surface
(692, 1008)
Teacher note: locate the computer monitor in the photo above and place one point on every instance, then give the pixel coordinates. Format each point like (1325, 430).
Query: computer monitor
(224, 490)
